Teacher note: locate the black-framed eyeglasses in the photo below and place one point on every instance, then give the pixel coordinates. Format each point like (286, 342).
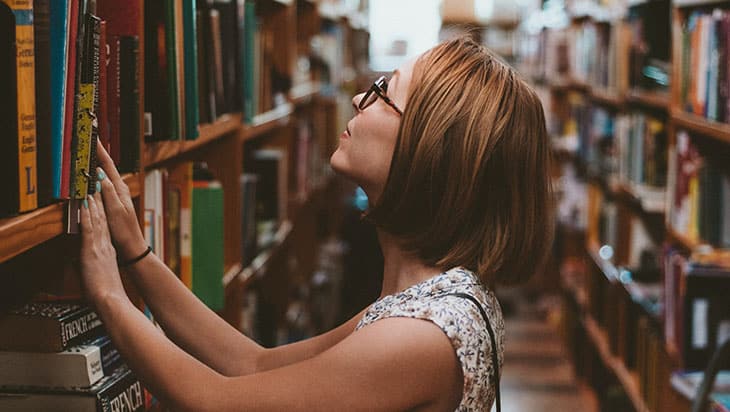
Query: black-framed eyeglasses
(378, 89)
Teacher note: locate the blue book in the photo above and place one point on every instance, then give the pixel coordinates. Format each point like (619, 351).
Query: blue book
(59, 62)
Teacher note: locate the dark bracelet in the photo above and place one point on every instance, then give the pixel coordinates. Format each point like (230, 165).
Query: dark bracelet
(132, 261)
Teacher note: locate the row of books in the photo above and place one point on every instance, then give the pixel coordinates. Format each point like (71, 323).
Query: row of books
(72, 81)
(597, 55)
(75, 79)
(705, 78)
(56, 356)
(183, 223)
(699, 200)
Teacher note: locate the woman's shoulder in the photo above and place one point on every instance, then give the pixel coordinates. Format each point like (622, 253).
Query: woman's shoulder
(441, 296)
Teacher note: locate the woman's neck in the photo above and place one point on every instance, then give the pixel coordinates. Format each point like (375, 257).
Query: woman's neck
(401, 269)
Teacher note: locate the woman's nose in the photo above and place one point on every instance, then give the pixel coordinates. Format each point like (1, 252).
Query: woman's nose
(356, 102)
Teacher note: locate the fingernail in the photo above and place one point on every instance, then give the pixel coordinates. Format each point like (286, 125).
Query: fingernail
(100, 173)
(86, 203)
(98, 187)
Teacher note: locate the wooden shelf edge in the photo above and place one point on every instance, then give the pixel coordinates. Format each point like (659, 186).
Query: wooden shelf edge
(254, 270)
(304, 93)
(28, 230)
(706, 127)
(159, 152)
(615, 364)
(267, 121)
(696, 3)
(607, 268)
(681, 239)
(655, 100)
(607, 98)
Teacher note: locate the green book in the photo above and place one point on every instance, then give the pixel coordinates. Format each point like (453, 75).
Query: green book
(208, 243)
(191, 70)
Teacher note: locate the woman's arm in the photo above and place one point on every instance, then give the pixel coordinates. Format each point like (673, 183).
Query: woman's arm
(393, 364)
(211, 340)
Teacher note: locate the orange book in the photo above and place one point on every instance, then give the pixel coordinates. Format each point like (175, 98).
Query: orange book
(180, 187)
(26, 127)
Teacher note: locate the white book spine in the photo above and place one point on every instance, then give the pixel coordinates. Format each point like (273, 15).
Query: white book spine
(79, 366)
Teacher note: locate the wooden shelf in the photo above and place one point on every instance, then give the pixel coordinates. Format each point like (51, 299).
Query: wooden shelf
(697, 124)
(304, 93)
(268, 121)
(606, 98)
(654, 100)
(696, 3)
(26, 231)
(681, 239)
(158, 152)
(606, 267)
(627, 379)
(260, 262)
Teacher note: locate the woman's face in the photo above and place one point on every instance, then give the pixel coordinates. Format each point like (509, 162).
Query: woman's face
(366, 146)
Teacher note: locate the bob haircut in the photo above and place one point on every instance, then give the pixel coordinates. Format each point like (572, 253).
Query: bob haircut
(469, 182)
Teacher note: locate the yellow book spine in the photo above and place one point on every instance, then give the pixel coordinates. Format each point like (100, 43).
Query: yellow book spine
(23, 11)
(85, 120)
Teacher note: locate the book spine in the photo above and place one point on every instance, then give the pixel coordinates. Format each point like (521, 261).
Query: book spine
(113, 95)
(172, 75)
(125, 394)
(8, 116)
(78, 328)
(70, 96)
(129, 103)
(41, 33)
(191, 70)
(59, 62)
(103, 109)
(95, 48)
(25, 95)
(111, 360)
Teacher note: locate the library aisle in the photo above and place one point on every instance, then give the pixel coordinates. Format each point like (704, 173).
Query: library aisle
(537, 373)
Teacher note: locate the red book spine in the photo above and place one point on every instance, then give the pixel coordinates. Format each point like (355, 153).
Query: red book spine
(70, 97)
(103, 114)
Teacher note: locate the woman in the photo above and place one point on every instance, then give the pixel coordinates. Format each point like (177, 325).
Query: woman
(453, 153)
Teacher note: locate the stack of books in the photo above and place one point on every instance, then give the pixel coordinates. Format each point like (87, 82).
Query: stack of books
(56, 356)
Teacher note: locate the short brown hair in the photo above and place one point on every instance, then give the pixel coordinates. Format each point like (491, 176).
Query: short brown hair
(469, 183)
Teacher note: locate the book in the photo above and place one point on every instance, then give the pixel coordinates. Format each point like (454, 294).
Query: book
(190, 52)
(178, 215)
(120, 391)
(77, 366)
(160, 103)
(59, 36)
(248, 183)
(8, 117)
(48, 327)
(25, 124)
(42, 37)
(207, 245)
(70, 98)
(129, 103)
(705, 314)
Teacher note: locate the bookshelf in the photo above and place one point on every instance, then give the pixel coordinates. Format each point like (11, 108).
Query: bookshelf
(291, 110)
(29, 230)
(618, 269)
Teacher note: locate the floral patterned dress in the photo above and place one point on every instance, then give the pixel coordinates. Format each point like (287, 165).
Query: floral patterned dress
(460, 320)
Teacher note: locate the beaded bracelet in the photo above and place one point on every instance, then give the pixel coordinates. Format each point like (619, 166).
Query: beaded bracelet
(132, 261)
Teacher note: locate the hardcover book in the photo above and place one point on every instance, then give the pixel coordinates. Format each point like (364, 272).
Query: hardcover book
(48, 327)
(24, 95)
(77, 366)
(120, 391)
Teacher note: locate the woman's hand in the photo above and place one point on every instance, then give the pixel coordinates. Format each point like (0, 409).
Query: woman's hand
(99, 269)
(123, 224)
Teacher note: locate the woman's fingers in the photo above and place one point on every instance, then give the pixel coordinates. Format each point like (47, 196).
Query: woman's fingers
(87, 226)
(104, 225)
(106, 163)
(109, 193)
